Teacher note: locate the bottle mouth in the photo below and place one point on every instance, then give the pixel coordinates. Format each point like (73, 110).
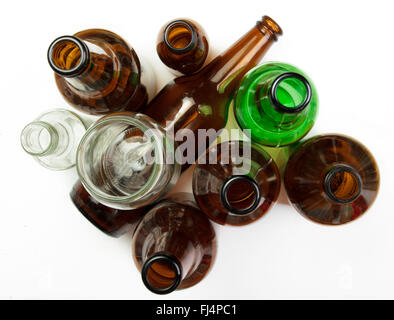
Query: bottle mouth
(290, 93)
(342, 184)
(180, 36)
(268, 25)
(38, 138)
(162, 273)
(68, 56)
(240, 195)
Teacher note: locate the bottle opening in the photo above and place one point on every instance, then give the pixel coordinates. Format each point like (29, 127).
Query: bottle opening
(343, 184)
(37, 138)
(180, 36)
(240, 195)
(291, 92)
(68, 56)
(161, 274)
(268, 25)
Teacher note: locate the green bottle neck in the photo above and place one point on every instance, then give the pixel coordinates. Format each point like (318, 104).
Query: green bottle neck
(283, 97)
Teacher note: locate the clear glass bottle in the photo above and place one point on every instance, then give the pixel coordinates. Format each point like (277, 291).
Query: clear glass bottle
(125, 161)
(97, 72)
(278, 102)
(113, 222)
(52, 139)
(182, 45)
(236, 183)
(174, 245)
(331, 179)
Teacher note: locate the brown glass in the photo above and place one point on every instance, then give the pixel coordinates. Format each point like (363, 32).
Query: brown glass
(182, 45)
(113, 222)
(97, 72)
(200, 100)
(174, 245)
(332, 179)
(229, 192)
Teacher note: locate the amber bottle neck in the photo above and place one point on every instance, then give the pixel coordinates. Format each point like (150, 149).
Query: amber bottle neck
(180, 37)
(240, 195)
(229, 67)
(162, 273)
(68, 56)
(342, 184)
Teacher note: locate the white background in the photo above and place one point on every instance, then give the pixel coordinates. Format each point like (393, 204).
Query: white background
(48, 250)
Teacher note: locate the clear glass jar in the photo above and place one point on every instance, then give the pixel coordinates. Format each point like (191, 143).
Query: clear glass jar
(126, 161)
(52, 139)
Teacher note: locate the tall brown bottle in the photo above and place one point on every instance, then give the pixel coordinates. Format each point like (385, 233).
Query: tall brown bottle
(200, 100)
(97, 72)
(182, 46)
(174, 245)
(331, 179)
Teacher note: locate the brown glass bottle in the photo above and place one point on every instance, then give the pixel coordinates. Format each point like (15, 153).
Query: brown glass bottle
(331, 179)
(200, 101)
(182, 46)
(113, 222)
(239, 186)
(97, 72)
(174, 245)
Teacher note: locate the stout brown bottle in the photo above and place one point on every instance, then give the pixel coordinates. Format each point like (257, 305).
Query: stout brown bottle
(331, 179)
(200, 100)
(182, 46)
(113, 222)
(174, 245)
(239, 186)
(97, 72)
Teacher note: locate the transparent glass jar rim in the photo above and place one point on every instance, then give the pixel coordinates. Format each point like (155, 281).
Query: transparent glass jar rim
(45, 126)
(133, 119)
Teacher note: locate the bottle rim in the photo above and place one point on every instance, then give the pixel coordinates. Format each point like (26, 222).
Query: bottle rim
(224, 197)
(51, 134)
(192, 43)
(274, 93)
(175, 264)
(83, 62)
(330, 175)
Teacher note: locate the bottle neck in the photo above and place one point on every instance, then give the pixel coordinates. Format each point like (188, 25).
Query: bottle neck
(84, 65)
(283, 97)
(342, 184)
(240, 195)
(180, 37)
(68, 56)
(229, 68)
(39, 139)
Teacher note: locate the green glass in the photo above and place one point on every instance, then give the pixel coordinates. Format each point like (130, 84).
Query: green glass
(277, 102)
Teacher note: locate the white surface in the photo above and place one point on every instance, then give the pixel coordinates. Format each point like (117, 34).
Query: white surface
(48, 250)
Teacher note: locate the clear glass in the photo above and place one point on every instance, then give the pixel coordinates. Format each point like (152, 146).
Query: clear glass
(182, 45)
(236, 183)
(174, 245)
(125, 161)
(97, 72)
(52, 139)
(331, 179)
(278, 101)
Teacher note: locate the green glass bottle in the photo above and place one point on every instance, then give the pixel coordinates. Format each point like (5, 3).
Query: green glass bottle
(277, 102)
